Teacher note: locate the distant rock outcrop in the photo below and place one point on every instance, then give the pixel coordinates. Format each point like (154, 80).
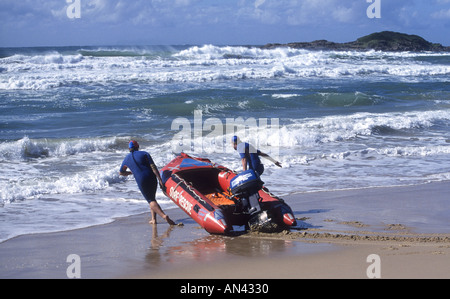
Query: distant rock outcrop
(380, 41)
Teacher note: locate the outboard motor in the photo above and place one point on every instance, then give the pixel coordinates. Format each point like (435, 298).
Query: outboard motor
(246, 186)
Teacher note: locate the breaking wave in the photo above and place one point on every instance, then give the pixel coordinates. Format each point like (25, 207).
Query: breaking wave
(194, 64)
(310, 132)
(26, 148)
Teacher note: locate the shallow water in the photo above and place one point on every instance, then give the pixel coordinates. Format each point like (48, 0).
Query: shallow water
(335, 120)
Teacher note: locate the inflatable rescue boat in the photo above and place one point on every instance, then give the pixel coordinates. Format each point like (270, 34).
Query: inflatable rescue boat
(218, 198)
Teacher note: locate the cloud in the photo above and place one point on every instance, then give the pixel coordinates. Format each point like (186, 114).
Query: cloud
(344, 14)
(238, 19)
(95, 11)
(299, 12)
(258, 3)
(18, 11)
(313, 12)
(442, 14)
(181, 13)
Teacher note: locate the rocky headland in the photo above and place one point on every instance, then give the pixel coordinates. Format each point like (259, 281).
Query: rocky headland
(380, 41)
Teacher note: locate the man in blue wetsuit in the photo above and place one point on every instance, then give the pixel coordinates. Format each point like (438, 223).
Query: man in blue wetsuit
(146, 174)
(250, 156)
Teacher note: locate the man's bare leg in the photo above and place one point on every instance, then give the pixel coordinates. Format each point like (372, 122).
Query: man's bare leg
(156, 209)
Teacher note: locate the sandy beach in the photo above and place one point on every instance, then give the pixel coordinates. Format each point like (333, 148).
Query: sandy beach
(395, 232)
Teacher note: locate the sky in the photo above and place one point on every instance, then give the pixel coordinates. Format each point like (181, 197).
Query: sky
(28, 23)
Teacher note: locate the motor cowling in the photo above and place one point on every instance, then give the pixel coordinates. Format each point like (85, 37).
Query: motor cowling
(245, 186)
(246, 183)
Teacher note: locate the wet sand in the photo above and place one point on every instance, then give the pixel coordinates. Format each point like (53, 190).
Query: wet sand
(405, 227)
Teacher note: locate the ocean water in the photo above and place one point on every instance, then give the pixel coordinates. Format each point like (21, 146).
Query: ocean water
(335, 120)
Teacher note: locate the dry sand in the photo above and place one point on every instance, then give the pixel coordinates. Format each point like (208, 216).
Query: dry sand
(323, 246)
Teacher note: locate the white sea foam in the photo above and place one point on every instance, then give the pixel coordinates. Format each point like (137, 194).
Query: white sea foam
(26, 148)
(309, 132)
(28, 187)
(208, 63)
(284, 96)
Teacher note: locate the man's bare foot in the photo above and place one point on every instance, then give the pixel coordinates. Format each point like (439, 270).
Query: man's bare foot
(167, 218)
(153, 221)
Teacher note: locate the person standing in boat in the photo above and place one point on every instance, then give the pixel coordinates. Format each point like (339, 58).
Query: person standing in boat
(146, 174)
(250, 156)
